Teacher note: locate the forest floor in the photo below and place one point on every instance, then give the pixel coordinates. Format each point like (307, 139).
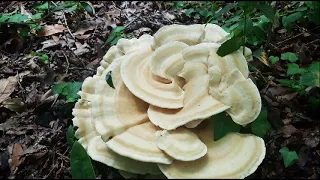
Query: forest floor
(34, 121)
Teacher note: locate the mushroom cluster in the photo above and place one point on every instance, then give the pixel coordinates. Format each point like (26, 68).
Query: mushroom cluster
(154, 119)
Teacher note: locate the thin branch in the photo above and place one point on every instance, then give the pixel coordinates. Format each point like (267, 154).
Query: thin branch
(80, 68)
(65, 21)
(68, 64)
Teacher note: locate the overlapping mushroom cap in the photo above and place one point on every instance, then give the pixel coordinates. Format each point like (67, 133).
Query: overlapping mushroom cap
(154, 120)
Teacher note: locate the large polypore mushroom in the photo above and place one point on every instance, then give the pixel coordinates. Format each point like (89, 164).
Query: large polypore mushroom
(154, 119)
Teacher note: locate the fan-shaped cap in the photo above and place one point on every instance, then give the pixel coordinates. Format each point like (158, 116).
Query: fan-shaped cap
(112, 54)
(247, 53)
(214, 33)
(189, 34)
(233, 156)
(181, 144)
(196, 62)
(139, 142)
(241, 94)
(198, 105)
(137, 76)
(99, 151)
(83, 120)
(128, 46)
(167, 60)
(113, 110)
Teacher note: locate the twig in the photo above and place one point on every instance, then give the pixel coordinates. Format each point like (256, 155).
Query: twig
(22, 89)
(80, 68)
(295, 36)
(312, 42)
(68, 64)
(65, 21)
(133, 20)
(7, 73)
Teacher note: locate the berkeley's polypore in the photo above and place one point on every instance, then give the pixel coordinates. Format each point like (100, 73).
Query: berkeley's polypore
(166, 86)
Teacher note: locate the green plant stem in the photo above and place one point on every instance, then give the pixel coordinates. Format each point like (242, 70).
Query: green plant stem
(244, 30)
(270, 27)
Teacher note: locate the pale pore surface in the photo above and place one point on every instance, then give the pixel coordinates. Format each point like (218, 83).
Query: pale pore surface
(113, 110)
(233, 156)
(198, 105)
(100, 152)
(139, 143)
(137, 76)
(181, 144)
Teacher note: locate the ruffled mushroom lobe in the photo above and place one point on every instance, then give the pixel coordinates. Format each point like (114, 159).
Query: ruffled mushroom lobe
(233, 156)
(139, 143)
(181, 144)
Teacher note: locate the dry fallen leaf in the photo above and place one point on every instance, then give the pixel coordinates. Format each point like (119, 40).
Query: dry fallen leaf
(7, 86)
(288, 130)
(81, 49)
(17, 152)
(49, 43)
(51, 29)
(84, 29)
(14, 104)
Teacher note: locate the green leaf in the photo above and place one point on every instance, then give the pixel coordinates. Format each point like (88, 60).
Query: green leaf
(88, 7)
(286, 20)
(230, 46)
(248, 6)
(110, 38)
(223, 124)
(70, 136)
(115, 40)
(189, 11)
(293, 69)
(314, 67)
(68, 89)
(4, 17)
(289, 157)
(18, 18)
(36, 27)
(72, 9)
(81, 167)
(310, 79)
(267, 10)
(261, 125)
(36, 16)
(109, 79)
(24, 31)
(273, 59)
(43, 7)
(225, 9)
(44, 58)
(289, 56)
(118, 29)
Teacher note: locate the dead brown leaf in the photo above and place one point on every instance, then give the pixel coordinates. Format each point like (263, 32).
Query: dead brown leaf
(14, 104)
(83, 37)
(84, 29)
(7, 86)
(81, 49)
(288, 130)
(51, 29)
(17, 152)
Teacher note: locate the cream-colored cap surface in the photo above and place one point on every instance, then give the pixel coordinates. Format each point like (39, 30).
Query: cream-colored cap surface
(139, 143)
(235, 156)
